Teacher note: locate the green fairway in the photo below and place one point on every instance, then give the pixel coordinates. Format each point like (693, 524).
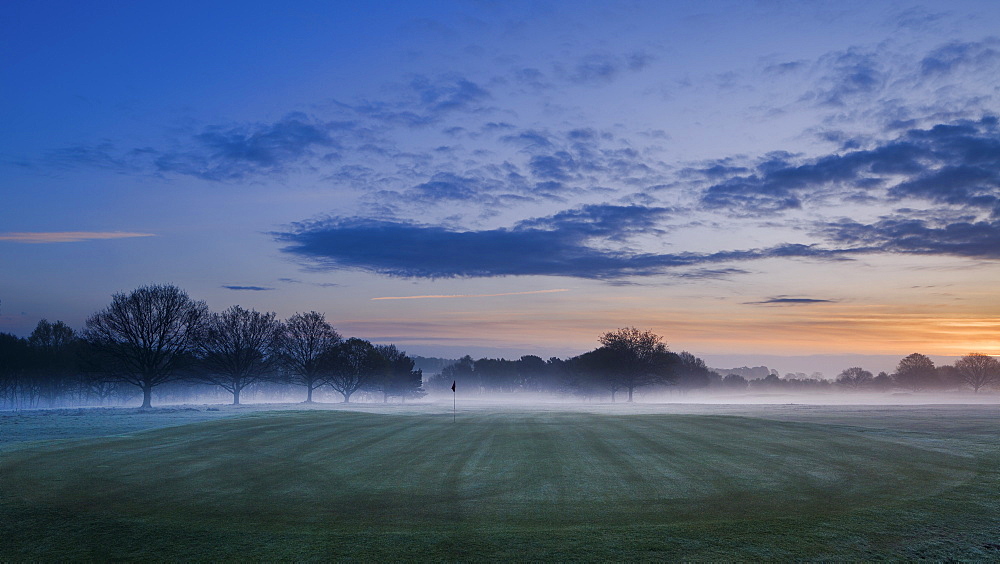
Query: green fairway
(502, 485)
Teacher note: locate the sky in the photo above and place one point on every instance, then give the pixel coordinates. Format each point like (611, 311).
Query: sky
(750, 180)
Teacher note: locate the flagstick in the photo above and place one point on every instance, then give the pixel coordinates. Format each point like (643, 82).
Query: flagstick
(454, 402)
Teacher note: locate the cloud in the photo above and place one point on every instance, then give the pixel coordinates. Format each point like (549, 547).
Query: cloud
(849, 75)
(236, 152)
(711, 273)
(974, 56)
(782, 300)
(906, 235)
(604, 68)
(956, 164)
(424, 101)
(449, 296)
(68, 236)
(589, 242)
(101, 155)
(248, 288)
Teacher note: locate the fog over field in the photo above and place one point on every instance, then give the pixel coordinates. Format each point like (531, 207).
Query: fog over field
(501, 480)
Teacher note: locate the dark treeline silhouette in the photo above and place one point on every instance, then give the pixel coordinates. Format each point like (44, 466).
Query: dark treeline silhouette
(157, 339)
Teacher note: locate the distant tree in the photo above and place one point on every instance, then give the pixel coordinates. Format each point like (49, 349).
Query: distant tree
(15, 362)
(882, 381)
(462, 373)
(145, 336)
(949, 377)
(691, 372)
(306, 339)
(239, 348)
(351, 365)
(397, 377)
(54, 350)
(978, 370)
(498, 374)
(855, 378)
(50, 337)
(735, 382)
(534, 375)
(596, 369)
(771, 381)
(641, 358)
(916, 372)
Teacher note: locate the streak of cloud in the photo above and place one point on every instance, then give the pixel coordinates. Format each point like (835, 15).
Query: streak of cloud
(68, 236)
(781, 300)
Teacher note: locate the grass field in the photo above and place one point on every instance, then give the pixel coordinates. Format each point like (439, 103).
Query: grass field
(518, 484)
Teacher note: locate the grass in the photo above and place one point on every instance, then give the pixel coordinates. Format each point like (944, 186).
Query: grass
(506, 485)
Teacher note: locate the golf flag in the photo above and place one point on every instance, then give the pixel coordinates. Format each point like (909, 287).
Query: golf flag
(453, 385)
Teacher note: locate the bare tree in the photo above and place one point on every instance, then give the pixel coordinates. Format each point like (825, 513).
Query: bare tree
(978, 370)
(641, 358)
(855, 378)
(239, 348)
(146, 335)
(307, 338)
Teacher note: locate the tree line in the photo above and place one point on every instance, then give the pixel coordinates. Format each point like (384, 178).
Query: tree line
(156, 337)
(157, 334)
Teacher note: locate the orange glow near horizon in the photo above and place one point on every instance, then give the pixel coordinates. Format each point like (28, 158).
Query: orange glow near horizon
(831, 329)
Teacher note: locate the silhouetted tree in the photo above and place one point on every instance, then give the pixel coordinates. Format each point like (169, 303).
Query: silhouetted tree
(497, 374)
(55, 351)
(397, 377)
(916, 372)
(735, 382)
(534, 374)
(978, 370)
(855, 378)
(882, 381)
(597, 368)
(592, 371)
(351, 365)
(461, 372)
(949, 377)
(146, 335)
(691, 372)
(306, 339)
(15, 361)
(239, 348)
(641, 358)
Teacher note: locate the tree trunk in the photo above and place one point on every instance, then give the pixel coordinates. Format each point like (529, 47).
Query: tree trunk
(630, 394)
(347, 397)
(309, 393)
(236, 395)
(147, 396)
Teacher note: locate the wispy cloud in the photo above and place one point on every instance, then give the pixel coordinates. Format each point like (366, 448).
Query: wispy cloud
(448, 296)
(248, 288)
(782, 300)
(68, 236)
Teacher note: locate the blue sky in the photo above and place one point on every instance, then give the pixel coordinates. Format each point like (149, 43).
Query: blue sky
(505, 178)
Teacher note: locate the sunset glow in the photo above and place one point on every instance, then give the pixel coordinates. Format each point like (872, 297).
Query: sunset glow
(519, 177)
